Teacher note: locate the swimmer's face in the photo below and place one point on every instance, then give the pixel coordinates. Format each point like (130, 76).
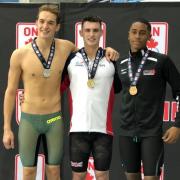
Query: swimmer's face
(138, 36)
(47, 25)
(91, 33)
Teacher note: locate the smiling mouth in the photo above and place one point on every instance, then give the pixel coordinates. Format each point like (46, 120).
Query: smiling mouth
(137, 44)
(45, 32)
(91, 39)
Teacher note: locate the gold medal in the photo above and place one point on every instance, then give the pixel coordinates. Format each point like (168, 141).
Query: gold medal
(133, 90)
(90, 83)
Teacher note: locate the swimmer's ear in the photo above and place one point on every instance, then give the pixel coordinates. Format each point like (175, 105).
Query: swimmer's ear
(80, 32)
(36, 22)
(58, 27)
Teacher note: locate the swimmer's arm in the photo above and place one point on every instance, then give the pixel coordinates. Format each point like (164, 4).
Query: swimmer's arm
(9, 98)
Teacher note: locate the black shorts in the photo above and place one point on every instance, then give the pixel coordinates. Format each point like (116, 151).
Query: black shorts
(84, 144)
(148, 150)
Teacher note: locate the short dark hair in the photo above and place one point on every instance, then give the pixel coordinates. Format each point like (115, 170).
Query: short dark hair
(52, 8)
(92, 19)
(144, 21)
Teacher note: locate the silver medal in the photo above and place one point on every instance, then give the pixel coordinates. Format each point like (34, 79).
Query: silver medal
(46, 73)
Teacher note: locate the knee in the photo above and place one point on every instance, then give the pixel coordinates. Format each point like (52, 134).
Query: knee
(79, 175)
(29, 172)
(133, 176)
(102, 175)
(151, 177)
(53, 171)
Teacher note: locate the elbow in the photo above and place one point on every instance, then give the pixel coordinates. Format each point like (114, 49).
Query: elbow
(10, 92)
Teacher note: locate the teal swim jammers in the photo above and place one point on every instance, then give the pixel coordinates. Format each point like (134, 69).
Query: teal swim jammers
(49, 129)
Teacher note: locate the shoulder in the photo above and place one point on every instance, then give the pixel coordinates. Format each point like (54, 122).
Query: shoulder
(73, 56)
(162, 59)
(22, 50)
(63, 41)
(16, 57)
(65, 44)
(122, 61)
(158, 55)
(18, 54)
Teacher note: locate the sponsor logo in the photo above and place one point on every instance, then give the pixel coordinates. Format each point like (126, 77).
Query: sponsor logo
(76, 164)
(150, 72)
(49, 121)
(159, 39)
(79, 40)
(25, 32)
(79, 64)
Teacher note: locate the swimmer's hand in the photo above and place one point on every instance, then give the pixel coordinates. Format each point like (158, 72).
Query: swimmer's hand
(111, 54)
(8, 139)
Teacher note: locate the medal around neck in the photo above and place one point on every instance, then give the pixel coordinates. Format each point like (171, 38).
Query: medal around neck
(92, 71)
(46, 64)
(133, 90)
(46, 73)
(133, 80)
(90, 83)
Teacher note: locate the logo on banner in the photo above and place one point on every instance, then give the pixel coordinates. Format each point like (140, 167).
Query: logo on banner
(90, 170)
(159, 39)
(40, 168)
(170, 110)
(79, 40)
(25, 32)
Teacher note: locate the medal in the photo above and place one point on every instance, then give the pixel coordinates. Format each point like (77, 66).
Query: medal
(133, 80)
(92, 71)
(90, 83)
(133, 90)
(46, 64)
(46, 73)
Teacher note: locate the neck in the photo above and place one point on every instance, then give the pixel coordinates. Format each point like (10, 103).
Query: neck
(43, 43)
(91, 51)
(134, 50)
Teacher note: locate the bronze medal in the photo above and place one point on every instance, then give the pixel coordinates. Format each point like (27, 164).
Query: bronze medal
(133, 90)
(90, 83)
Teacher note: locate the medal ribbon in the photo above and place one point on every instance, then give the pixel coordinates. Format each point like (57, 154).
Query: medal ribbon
(99, 55)
(139, 70)
(45, 64)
